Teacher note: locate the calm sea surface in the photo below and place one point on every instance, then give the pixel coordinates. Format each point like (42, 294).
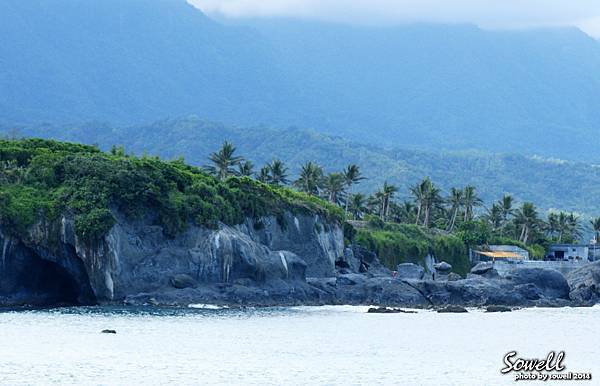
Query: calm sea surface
(305, 345)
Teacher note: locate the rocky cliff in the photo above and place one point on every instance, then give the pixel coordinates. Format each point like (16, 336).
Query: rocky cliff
(50, 264)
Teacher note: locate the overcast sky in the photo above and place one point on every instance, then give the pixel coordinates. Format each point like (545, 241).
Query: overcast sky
(584, 14)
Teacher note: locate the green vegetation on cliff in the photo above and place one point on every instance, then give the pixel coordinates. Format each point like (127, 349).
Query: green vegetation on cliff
(42, 179)
(407, 243)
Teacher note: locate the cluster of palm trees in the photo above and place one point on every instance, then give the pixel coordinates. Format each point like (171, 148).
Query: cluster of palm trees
(526, 221)
(426, 206)
(334, 187)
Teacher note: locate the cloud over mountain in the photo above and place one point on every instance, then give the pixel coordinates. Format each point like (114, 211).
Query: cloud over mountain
(485, 13)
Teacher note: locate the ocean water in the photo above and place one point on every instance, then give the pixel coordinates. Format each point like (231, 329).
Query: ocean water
(333, 345)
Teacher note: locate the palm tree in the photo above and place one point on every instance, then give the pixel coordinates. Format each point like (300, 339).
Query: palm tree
(432, 201)
(419, 192)
(352, 176)
(471, 200)
(224, 162)
(357, 205)
(264, 174)
(310, 178)
(245, 168)
(456, 202)
(278, 173)
(553, 225)
(333, 187)
(409, 211)
(375, 204)
(574, 227)
(596, 227)
(527, 218)
(506, 205)
(494, 216)
(427, 197)
(562, 225)
(388, 192)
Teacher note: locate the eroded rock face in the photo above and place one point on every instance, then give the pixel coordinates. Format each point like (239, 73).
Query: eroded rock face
(252, 263)
(136, 257)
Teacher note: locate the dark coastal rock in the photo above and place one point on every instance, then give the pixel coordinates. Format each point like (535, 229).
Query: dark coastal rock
(386, 291)
(351, 279)
(452, 309)
(475, 291)
(410, 271)
(550, 283)
(388, 310)
(529, 291)
(485, 269)
(322, 282)
(442, 267)
(369, 262)
(498, 309)
(259, 266)
(182, 281)
(348, 263)
(584, 284)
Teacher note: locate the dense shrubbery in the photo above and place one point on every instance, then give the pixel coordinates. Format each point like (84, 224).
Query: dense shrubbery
(46, 178)
(403, 243)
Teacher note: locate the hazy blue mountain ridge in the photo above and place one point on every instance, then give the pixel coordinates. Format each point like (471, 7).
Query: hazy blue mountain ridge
(428, 87)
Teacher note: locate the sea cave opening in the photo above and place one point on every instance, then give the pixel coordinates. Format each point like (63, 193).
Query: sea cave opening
(50, 284)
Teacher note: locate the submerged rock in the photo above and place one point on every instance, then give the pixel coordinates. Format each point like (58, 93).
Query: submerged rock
(452, 309)
(498, 309)
(387, 310)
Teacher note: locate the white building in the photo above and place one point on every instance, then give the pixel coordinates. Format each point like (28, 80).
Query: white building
(565, 252)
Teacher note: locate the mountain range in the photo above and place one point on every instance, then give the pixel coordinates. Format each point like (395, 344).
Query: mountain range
(433, 88)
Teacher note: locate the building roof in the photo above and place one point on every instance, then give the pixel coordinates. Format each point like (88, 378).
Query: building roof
(570, 245)
(501, 255)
